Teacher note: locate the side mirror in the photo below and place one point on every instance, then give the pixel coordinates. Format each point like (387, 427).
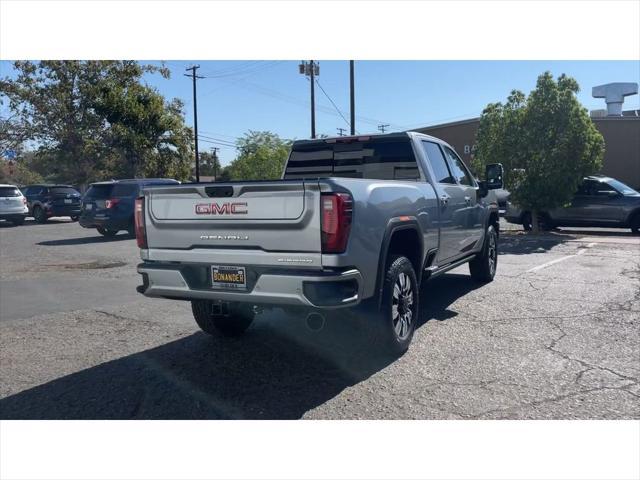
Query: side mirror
(483, 191)
(493, 176)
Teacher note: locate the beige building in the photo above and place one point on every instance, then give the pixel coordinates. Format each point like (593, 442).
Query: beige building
(621, 136)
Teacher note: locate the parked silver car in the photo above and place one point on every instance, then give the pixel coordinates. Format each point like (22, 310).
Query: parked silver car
(13, 205)
(599, 202)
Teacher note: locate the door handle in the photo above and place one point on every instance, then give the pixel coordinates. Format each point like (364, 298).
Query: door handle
(444, 199)
(467, 199)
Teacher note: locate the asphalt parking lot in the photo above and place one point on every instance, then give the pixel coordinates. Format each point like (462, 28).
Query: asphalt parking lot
(555, 336)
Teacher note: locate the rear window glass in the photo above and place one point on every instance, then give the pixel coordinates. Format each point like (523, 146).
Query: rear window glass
(100, 192)
(63, 191)
(9, 192)
(124, 190)
(380, 159)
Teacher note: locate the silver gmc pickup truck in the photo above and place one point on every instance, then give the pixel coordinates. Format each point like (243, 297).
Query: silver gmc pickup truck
(355, 222)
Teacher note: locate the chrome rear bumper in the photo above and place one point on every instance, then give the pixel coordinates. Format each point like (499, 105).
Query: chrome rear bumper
(313, 289)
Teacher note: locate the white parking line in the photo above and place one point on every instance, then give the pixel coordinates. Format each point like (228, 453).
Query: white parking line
(558, 260)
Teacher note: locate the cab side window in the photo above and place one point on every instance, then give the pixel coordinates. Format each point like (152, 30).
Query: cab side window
(458, 168)
(585, 188)
(603, 189)
(437, 162)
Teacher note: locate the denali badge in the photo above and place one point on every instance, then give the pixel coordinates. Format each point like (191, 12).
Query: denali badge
(238, 208)
(224, 237)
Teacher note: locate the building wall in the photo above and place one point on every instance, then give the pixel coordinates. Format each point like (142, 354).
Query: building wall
(621, 137)
(622, 148)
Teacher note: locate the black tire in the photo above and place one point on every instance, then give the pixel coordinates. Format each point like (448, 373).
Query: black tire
(17, 220)
(107, 233)
(232, 323)
(131, 230)
(483, 267)
(74, 218)
(39, 215)
(398, 313)
(635, 224)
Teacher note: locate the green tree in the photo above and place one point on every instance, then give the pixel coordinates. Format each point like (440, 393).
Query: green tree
(148, 133)
(96, 119)
(546, 142)
(261, 156)
(210, 165)
(18, 173)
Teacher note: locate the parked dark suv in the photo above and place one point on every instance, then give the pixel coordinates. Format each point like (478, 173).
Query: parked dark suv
(46, 200)
(108, 206)
(599, 202)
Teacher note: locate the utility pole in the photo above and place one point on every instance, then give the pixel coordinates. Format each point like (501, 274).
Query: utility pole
(195, 116)
(353, 97)
(341, 131)
(214, 153)
(311, 69)
(382, 127)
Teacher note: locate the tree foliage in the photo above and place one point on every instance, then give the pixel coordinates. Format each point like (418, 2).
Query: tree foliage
(546, 142)
(18, 173)
(261, 156)
(210, 165)
(96, 119)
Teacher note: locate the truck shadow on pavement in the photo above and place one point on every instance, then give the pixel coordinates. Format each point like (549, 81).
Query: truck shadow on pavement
(278, 370)
(85, 240)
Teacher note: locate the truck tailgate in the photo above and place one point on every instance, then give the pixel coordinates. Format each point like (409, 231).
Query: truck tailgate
(218, 220)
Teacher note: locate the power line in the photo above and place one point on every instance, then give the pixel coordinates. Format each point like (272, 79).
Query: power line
(333, 103)
(382, 127)
(341, 131)
(216, 141)
(293, 100)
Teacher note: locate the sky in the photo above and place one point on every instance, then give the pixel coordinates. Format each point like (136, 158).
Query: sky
(238, 96)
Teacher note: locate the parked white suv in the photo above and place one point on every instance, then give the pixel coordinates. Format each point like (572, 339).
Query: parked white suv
(13, 205)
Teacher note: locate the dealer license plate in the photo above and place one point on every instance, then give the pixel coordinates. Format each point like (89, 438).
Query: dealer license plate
(224, 277)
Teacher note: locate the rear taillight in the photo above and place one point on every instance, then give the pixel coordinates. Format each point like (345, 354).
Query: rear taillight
(138, 216)
(337, 211)
(112, 202)
(24, 200)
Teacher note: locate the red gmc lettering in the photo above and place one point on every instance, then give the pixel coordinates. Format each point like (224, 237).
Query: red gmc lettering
(238, 208)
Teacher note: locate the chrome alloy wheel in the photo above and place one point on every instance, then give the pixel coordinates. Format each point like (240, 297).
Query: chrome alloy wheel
(402, 306)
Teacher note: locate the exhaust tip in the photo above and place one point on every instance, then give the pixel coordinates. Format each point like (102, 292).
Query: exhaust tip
(315, 322)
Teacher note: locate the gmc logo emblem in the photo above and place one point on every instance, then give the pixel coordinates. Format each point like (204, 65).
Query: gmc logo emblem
(238, 208)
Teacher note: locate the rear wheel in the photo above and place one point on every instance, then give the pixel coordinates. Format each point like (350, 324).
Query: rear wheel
(106, 232)
(39, 215)
(399, 311)
(483, 266)
(228, 318)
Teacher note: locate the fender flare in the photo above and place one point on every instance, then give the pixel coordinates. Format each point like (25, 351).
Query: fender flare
(394, 225)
